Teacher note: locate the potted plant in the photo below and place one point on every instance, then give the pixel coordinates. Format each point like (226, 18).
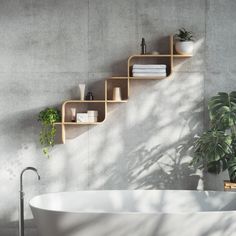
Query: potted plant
(48, 117)
(215, 149)
(184, 42)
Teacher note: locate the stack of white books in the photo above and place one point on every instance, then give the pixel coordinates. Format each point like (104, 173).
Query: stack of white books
(150, 70)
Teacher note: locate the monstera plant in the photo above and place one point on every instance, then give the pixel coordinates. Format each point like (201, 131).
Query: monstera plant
(215, 149)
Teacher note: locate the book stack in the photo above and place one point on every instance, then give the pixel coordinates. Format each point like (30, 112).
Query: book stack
(150, 70)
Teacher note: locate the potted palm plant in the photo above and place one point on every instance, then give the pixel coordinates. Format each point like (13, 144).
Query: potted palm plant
(215, 149)
(184, 42)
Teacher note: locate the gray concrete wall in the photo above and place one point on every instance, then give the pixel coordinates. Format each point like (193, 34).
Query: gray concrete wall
(48, 46)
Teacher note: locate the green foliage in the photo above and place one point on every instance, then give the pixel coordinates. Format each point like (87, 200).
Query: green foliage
(216, 148)
(47, 118)
(184, 35)
(222, 110)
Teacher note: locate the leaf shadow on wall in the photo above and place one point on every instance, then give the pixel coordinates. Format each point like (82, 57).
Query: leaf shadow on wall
(137, 163)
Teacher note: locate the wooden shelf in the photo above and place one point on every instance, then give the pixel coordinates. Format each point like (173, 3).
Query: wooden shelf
(57, 123)
(78, 123)
(118, 81)
(149, 55)
(85, 101)
(182, 56)
(83, 123)
(147, 77)
(113, 101)
(118, 78)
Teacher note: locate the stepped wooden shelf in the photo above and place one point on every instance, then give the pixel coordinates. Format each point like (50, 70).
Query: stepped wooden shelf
(123, 82)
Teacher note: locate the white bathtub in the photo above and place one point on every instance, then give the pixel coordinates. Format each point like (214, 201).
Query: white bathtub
(135, 213)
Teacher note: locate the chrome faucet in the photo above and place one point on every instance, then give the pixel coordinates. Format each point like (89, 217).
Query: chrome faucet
(21, 203)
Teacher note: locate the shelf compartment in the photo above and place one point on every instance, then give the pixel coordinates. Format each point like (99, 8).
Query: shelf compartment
(154, 59)
(122, 83)
(83, 107)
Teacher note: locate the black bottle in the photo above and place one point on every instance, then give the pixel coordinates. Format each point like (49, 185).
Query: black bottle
(143, 47)
(89, 96)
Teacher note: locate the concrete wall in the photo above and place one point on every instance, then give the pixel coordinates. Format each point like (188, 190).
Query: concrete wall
(48, 46)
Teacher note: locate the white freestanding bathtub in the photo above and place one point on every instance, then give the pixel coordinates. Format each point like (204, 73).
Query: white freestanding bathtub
(136, 213)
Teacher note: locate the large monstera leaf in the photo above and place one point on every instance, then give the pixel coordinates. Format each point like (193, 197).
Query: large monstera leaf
(222, 109)
(213, 148)
(232, 169)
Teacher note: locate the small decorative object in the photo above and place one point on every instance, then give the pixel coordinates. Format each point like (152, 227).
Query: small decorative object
(89, 96)
(47, 118)
(92, 116)
(82, 91)
(215, 149)
(117, 94)
(82, 117)
(143, 46)
(184, 44)
(73, 114)
(155, 53)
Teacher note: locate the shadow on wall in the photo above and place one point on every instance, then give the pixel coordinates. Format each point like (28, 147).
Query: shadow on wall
(152, 146)
(137, 160)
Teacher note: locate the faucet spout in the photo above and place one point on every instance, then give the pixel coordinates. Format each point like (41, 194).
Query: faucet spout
(23, 171)
(21, 203)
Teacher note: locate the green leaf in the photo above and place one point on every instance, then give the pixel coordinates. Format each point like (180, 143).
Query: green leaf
(222, 110)
(47, 118)
(212, 148)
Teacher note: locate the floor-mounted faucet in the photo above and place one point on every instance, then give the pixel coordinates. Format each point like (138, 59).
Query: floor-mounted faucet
(21, 204)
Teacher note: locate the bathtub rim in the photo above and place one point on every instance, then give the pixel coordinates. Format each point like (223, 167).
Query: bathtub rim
(129, 212)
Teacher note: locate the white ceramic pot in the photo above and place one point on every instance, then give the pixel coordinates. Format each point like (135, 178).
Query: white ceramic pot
(185, 47)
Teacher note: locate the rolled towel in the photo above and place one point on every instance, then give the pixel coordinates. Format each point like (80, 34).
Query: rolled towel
(149, 70)
(142, 66)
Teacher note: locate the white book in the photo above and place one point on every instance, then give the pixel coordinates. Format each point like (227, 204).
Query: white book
(150, 70)
(142, 66)
(149, 74)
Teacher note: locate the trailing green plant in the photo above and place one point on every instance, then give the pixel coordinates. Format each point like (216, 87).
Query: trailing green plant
(215, 149)
(184, 35)
(48, 117)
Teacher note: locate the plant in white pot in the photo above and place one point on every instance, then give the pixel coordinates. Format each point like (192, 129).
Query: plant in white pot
(184, 42)
(215, 149)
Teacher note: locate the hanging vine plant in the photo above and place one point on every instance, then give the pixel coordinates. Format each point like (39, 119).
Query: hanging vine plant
(48, 117)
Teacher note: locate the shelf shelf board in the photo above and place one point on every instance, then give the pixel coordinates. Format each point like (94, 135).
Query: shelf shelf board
(114, 101)
(117, 78)
(83, 123)
(148, 77)
(85, 101)
(78, 123)
(182, 56)
(57, 123)
(149, 55)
